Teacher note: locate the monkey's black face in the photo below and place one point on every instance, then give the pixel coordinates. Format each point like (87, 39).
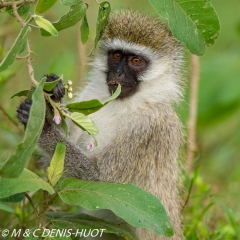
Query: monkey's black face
(124, 69)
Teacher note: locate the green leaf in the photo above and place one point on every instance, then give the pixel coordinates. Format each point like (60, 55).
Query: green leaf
(85, 124)
(70, 2)
(85, 107)
(84, 29)
(55, 170)
(102, 20)
(18, 197)
(114, 95)
(91, 106)
(14, 166)
(24, 93)
(134, 205)
(22, 10)
(84, 221)
(48, 86)
(46, 25)
(194, 23)
(43, 5)
(74, 15)
(6, 208)
(64, 127)
(20, 94)
(27, 181)
(16, 48)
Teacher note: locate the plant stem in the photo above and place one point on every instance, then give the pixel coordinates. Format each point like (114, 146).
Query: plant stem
(31, 202)
(9, 4)
(15, 12)
(29, 65)
(191, 148)
(29, 51)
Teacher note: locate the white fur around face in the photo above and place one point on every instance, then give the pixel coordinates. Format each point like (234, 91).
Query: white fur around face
(160, 83)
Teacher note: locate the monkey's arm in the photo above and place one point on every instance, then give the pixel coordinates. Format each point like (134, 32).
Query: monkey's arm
(76, 163)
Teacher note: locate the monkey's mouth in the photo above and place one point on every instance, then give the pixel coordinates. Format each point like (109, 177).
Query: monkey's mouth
(113, 84)
(126, 88)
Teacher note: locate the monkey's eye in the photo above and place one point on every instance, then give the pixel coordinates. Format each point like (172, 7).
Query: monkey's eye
(136, 61)
(117, 55)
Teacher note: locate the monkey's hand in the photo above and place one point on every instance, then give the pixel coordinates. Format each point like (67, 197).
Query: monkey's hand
(57, 94)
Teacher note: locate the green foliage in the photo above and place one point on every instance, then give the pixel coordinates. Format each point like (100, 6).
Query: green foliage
(84, 29)
(84, 221)
(194, 23)
(16, 48)
(27, 181)
(55, 170)
(74, 15)
(17, 161)
(6, 208)
(20, 94)
(13, 198)
(127, 201)
(48, 86)
(22, 10)
(43, 5)
(46, 25)
(91, 106)
(85, 124)
(205, 218)
(102, 20)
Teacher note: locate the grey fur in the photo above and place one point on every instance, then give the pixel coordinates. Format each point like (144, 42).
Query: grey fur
(139, 137)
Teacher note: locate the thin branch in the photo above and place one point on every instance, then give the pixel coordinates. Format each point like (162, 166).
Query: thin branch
(9, 4)
(32, 204)
(10, 118)
(15, 12)
(29, 65)
(191, 125)
(188, 196)
(34, 26)
(29, 51)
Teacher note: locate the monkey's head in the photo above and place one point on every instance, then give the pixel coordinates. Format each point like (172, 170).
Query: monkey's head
(139, 51)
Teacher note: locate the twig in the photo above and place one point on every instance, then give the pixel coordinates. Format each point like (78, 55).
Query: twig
(191, 125)
(10, 118)
(32, 204)
(15, 12)
(9, 4)
(34, 26)
(29, 65)
(29, 51)
(188, 196)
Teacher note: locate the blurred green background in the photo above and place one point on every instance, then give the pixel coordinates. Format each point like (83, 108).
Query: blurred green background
(218, 124)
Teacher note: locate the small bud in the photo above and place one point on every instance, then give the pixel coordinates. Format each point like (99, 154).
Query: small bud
(70, 89)
(57, 119)
(90, 146)
(70, 95)
(69, 82)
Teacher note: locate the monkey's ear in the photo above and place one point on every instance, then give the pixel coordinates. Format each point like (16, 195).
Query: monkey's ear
(58, 91)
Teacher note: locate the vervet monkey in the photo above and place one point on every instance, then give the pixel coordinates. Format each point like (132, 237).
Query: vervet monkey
(139, 132)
